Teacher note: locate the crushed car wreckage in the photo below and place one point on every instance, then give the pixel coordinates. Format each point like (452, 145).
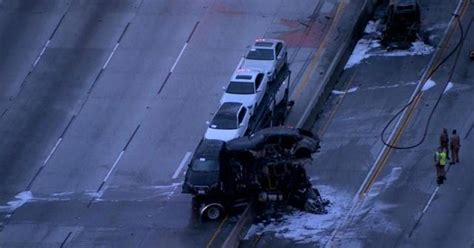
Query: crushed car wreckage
(402, 23)
(266, 167)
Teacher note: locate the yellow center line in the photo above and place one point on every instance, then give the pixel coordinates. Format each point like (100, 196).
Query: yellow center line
(218, 230)
(406, 118)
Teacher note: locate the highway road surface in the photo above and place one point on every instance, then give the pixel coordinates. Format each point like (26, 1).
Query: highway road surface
(384, 197)
(103, 102)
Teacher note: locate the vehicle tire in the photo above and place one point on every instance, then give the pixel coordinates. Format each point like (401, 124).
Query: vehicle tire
(213, 212)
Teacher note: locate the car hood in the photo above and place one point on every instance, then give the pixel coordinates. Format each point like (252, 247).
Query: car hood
(264, 65)
(246, 100)
(221, 134)
(201, 178)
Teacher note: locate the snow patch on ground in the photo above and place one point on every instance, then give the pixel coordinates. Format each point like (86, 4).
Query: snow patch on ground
(448, 87)
(304, 227)
(338, 92)
(364, 47)
(428, 85)
(371, 218)
(360, 52)
(417, 48)
(371, 27)
(20, 199)
(391, 86)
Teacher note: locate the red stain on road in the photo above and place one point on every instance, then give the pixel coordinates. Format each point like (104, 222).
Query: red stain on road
(301, 36)
(290, 23)
(226, 9)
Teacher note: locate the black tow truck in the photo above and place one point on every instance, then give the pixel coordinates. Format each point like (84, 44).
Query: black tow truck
(266, 166)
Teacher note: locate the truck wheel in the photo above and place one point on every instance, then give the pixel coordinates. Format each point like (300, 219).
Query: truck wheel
(214, 213)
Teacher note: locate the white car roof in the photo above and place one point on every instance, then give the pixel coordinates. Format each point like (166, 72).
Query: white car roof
(245, 75)
(266, 43)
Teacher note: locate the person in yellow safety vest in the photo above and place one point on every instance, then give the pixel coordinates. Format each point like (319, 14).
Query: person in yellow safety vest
(440, 159)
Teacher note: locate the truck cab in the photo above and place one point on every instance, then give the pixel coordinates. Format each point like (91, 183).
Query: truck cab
(204, 170)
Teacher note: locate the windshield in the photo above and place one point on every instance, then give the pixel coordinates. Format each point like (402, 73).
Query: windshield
(223, 123)
(240, 88)
(202, 164)
(260, 54)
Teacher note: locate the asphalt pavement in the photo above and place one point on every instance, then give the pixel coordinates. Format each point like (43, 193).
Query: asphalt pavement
(103, 102)
(383, 197)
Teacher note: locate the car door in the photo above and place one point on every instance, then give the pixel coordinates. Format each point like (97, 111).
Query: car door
(243, 119)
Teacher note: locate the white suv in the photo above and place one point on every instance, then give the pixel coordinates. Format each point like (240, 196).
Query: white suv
(247, 87)
(231, 121)
(268, 55)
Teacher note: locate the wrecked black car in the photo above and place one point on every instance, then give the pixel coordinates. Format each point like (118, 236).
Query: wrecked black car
(403, 22)
(266, 167)
(292, 143)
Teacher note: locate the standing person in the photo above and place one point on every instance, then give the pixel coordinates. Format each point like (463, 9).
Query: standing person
(444, 141)
(455, 144)
(440, 159)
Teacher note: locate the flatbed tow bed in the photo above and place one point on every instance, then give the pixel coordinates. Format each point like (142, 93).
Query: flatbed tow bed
(275, 105)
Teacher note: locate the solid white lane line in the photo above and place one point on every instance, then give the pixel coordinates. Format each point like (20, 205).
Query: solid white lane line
(110, 56)
(114, 165)
(184, 161)
(41, 53)
(179, 57)
(52, 151)
(431, 200)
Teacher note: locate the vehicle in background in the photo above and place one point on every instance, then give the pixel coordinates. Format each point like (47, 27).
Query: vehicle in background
(247, 87)
(403, 22)
(268, 55)
(229, 122)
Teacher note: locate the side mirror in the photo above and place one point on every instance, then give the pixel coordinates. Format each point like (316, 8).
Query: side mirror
(224, 88)
(208, 123)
